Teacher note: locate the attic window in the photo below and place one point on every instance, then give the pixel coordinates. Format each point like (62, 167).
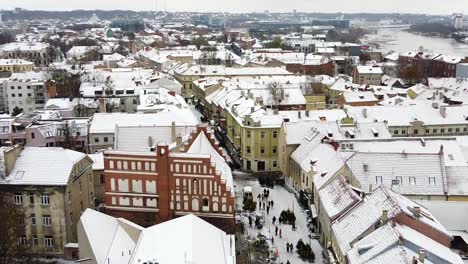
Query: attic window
(432, 181)
(324, 173)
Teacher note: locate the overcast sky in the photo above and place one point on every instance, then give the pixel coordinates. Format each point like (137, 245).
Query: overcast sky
(352, 6)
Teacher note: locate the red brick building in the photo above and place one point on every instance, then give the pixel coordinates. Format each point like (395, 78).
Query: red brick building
(152, 187)
(425, 65)
(312, 69)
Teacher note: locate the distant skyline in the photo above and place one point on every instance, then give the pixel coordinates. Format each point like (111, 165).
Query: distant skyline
(329, 6)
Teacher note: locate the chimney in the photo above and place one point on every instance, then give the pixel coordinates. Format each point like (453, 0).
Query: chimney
(401, 240)
(384, 216)
(102, 105)
(441, 150)
(364, 112)
(179, 141)
(417, 211)
(443, 111)
(370, 188)
(421, 255)
(173, 132)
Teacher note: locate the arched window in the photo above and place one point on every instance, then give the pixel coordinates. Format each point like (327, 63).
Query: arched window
(195, 206)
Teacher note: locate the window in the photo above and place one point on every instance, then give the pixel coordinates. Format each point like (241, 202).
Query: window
(432, 181)
(22, 241)
(96, 140)
(378, 179)
(33, 135)
(262, 134)
(428, 131)
(48, 241)
(412, 180)
(275, 134)
(248, 150)
(18, 198)
(20, 95)
(415, 132)
(450, 130)
(275, 164)
(102, 179)
(465, 129)
(13, 95)
(434, 130)
(31, 198)
(46, 220)
(395, 132)
(29, 95)
(205, 202)
(274, 150)
(262, 150)
(442, 130)
(34, 240)
(457, 130)
(399, 179)
(248, 134)
(403, 132)
(106, 139)
(45, 200)
(33, 219)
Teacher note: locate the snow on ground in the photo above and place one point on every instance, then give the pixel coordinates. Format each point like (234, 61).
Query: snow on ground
(283, 200)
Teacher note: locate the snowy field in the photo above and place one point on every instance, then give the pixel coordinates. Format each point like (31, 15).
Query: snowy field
(283, 200)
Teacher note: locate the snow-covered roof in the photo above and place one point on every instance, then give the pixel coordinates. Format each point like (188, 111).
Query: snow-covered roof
(14, 62)
(369, 70)
(419, 174)
(401, 116)
(203, 145)
(337, 197)
(98, 159)
(24, 46)
(357, 222)
(106, 122)
(43, 166)
(399, 244)
(359, 97)
(186, 239)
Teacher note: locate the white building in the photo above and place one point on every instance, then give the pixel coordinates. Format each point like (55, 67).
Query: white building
(26, 90)
(104, 239)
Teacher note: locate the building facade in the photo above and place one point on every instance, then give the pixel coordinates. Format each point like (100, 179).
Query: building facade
(153, 187)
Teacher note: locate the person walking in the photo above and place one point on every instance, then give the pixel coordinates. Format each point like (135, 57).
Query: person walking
(280, 233)
(276, 231)
(268, 209)
(287, 247)
(250, 221)
(291, 248)
(272, 203)
(287, 262)
(274, 219)
(272, 240)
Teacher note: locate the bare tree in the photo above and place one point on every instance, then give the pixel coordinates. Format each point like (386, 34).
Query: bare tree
(13, 241)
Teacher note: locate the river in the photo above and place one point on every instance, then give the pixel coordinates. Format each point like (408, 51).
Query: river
(399, 40)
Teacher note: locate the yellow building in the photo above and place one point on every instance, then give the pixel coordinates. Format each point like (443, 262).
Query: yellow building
(52, 186)
(15, 65)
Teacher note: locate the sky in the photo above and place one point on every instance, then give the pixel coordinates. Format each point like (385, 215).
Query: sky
(238, 6)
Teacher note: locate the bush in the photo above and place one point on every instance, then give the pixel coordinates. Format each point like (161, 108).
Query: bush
(287, 217)
(249, 205)
(305, 251)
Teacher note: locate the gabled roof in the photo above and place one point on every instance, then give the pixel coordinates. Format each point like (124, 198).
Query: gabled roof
(337, 196)
(352, 226)
(420, 174)
(399, 244)
(186, 239)
(43, 166)
(202, 142)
